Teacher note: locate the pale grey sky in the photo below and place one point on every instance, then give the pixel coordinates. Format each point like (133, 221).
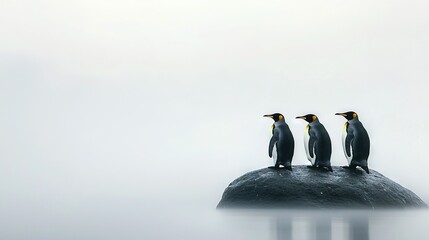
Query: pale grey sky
(162, 101)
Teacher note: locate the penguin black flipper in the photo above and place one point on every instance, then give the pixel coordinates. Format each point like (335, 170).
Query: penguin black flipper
(273, 141)
(348, 143)
(312, 143)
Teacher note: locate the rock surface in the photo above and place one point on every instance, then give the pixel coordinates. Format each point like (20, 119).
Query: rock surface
(317, 188)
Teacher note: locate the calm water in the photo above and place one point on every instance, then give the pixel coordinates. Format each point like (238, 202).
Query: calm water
(332, 224)
(133, 221)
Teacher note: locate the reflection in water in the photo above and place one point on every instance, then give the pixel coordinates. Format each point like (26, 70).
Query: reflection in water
(320, 227)
(284, 228)
(333, 224)
(358, 228)
(323, 229)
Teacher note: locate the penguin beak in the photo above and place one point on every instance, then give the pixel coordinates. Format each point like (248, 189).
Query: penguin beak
(301, 117)
(268, 115)
(341, 114)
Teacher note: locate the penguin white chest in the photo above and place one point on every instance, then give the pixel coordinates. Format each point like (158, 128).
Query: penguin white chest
(306, 145)
(349, 158)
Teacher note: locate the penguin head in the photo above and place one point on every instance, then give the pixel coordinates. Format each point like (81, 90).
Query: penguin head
(309, 118)
(275, 116)
(348, 115)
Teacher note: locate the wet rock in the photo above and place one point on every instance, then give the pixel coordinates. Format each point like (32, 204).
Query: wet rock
(316, 188)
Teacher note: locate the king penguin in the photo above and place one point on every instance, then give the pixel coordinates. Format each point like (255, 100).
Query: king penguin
(282, 144)
(355, 141)
(317, 142)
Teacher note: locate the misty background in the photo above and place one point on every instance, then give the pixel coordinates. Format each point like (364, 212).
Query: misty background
(126, 105)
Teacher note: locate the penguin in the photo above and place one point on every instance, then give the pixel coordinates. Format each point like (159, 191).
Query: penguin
(355, 142)
(317, 143)
(282, 144)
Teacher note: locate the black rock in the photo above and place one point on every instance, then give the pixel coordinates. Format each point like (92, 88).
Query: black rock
(317, 188)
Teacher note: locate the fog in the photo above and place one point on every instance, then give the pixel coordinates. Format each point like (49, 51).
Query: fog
(129, 107)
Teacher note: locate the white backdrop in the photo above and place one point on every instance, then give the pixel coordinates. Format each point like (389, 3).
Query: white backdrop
(160, 102)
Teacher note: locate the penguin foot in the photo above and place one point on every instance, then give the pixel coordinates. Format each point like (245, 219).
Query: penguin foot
(274, 167)
(288, 168)
(353, 168)
(319, 168)
(322, 168)
(365, 169)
